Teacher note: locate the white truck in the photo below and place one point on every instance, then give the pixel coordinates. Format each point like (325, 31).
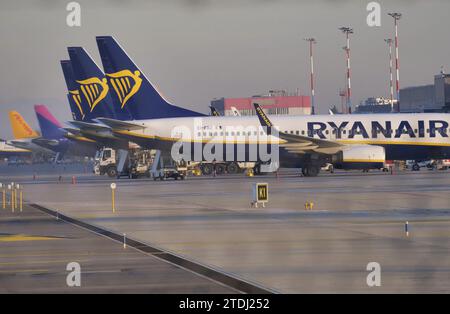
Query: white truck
(133, 163)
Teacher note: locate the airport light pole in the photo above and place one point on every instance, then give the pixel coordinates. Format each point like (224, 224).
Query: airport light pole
(347, 31)
(312, 41)
(396, 17)
(391, 84)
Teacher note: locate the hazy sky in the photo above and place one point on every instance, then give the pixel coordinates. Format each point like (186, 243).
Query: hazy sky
(196, 50)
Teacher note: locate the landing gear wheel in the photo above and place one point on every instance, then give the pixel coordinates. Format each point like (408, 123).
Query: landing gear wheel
(233, 168)
(416, 167)
(206, 169)
(220, 169)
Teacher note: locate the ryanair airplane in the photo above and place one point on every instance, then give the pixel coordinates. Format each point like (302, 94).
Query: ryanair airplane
(307, 142)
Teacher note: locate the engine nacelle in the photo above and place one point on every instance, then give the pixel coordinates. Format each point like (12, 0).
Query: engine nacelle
(360, 157)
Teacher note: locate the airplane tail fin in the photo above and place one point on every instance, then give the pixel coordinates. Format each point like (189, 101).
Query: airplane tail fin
(73, 94)
(131, 88)
(214, 112)
(51, 128)
(20, 128)
(93, 87)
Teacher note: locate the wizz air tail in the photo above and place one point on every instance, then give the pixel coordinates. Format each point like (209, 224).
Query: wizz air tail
(50, 127)
(131, 89)
(20, 128)
(73, 94)
(94, 90)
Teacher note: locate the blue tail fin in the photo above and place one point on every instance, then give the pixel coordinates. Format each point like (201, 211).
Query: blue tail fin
(50, 127)
(93, 87)
(73, 94)
(131, 88)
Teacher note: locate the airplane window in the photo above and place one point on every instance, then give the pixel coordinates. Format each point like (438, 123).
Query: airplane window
(428, 130)
(327, 132)
(199, 134)
(344, 131)
(303, 132)
(215, 133)
(232, 133)
(292, 132)
(204, 133)
(297, 132)
(238, 133)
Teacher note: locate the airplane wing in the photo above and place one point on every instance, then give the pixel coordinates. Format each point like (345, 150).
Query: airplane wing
(120, 125)
(45, 142)
(89, 126)
(72, 130)
(297, 143)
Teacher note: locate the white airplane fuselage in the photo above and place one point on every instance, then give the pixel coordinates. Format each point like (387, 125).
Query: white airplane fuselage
(403, 136)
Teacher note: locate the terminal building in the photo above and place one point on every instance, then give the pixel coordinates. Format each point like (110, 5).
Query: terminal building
(377, 105)
(426, 98)
(274, 103)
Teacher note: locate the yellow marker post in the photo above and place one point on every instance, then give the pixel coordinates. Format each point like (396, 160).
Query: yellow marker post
(20, 188)
(11, 198)
(3, 196)
(113, 197)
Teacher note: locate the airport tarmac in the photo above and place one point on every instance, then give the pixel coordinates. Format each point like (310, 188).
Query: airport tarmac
(36, 249)
(357, 219)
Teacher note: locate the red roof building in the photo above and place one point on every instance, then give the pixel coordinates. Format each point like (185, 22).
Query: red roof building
(273, 104)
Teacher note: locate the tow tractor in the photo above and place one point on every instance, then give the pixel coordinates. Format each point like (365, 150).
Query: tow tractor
(165, 167)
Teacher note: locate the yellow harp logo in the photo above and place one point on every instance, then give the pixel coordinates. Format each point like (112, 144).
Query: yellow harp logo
(77, 99)
(94, 90)
(126, 84)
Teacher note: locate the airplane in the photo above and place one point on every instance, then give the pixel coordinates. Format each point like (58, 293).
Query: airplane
(8, 151)
(236, 112)
(24, 135)
(81, 68)
(305, 142)
(216, 113)
(54, 137)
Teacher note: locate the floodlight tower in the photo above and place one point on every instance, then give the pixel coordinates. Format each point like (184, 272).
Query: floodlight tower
(396, 17)
(312, 41)
(347, 31)
(391, 84)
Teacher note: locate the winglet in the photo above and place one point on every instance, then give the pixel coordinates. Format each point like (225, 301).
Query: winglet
(214, 112)
(263, 119)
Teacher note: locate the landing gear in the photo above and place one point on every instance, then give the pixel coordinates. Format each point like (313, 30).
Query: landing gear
(207, 169)
(233, 168)
(311, 170)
